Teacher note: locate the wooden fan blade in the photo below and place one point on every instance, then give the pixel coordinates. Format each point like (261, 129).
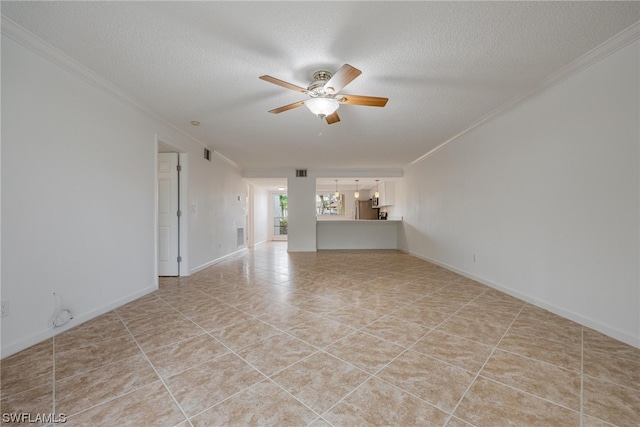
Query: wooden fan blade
(370, 101)
(283, 84)
(332, 118)
(345, 75)
(287, 107)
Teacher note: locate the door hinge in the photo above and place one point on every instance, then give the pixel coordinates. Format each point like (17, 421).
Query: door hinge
(179, 213)
(179, 168)
(179, 259)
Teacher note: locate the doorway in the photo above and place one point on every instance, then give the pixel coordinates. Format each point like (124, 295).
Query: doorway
(279, 214)
(168, 214)
(171, 196)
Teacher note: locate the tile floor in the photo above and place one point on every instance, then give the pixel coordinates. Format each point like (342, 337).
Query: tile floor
(342, 338)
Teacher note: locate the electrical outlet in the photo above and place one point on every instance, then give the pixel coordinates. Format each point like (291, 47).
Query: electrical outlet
(5, 308)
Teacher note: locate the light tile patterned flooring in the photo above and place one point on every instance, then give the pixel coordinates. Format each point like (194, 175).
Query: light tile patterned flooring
(343, 338)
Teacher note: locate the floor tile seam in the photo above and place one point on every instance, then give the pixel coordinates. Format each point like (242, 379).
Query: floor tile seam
(441, 323)
(111, 399)
(324, 316)
(134, 305)
(612, 355)
(295, 397)
(324, 346)
(233, 395)
(430, 329)
(440, 331)
(577, 411)
(633, 389)
(140, 316)
(404, 347)
(262, 338)
(329, 409)
(4, 398)
(465, 422)
(186, 317)
(164, 384)
(544, 362)
(449, 413)
(106, 365)
(344, 361)
(98, 341)
(320, 418)
(519, 333)
(488, 319)
(181, 312)
(235, 352)
(455, 408)
(446, 362)
(321, 316)
(172, 374)
(266, 378)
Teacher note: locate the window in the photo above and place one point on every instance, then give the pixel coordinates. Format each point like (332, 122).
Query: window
(329, 204)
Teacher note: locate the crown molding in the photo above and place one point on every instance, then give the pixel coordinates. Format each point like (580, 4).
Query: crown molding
(32, 42)
(225, 159)
(604, 49)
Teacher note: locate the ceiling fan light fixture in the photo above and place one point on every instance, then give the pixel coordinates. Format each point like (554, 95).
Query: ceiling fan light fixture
(322, 107)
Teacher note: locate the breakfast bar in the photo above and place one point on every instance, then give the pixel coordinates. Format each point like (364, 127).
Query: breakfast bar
(357, 234)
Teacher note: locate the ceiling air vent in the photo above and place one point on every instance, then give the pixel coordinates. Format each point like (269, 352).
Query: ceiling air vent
(301, 173)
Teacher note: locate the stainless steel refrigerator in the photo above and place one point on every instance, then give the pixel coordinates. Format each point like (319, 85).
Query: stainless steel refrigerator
(365, 211)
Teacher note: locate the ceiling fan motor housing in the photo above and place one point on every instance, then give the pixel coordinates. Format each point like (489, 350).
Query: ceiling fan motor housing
(320, 78)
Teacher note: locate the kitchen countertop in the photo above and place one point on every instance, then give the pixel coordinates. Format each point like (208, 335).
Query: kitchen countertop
(358, 220)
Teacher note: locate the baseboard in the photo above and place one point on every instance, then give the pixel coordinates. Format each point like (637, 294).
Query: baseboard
(216, 261)
(584, 321)
(78, 319)
(260, 243)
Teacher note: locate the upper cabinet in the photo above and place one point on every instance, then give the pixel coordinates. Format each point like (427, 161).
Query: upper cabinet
(387, 191)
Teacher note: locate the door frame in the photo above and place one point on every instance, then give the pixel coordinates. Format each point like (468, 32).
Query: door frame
(272, 236)
(183, 188)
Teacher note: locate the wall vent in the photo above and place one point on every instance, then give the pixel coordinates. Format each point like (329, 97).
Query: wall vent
(301, 173)
(240, 238)
(207, 154)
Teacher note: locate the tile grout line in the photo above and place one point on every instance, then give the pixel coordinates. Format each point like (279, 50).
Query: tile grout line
(266, 377)
(493, 350)
(406, 348)
(156, 372)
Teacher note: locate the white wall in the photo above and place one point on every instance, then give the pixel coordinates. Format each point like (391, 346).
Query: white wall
(301, 194)
(261, 215)
(217, 197)
(546, 197)
(78, 198)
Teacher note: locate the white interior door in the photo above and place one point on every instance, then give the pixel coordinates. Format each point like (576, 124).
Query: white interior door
(168, 215)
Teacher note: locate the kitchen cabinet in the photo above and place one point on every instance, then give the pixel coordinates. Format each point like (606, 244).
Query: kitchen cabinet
(387, 191)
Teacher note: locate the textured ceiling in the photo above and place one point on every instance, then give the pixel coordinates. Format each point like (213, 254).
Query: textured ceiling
(443, 66)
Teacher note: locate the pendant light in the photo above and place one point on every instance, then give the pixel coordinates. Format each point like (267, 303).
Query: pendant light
(357, 193)
(337, 193)
(377, 193)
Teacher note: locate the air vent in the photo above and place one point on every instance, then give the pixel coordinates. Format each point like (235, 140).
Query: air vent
(207, 154)
(240, 237)
(301, 173)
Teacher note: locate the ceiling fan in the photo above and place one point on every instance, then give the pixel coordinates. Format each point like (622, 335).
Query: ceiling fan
(324, 92)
